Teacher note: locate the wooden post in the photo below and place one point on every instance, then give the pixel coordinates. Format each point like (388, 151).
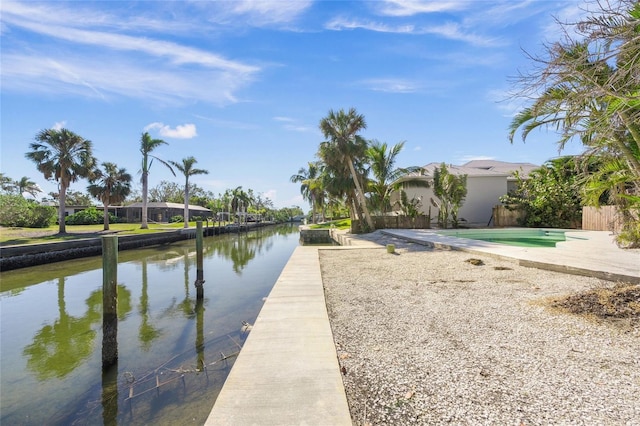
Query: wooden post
(109, 301)
(200, 335)
(110, 396)
(199, 260)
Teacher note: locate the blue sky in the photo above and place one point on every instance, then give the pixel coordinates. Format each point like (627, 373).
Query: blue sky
(242, 85)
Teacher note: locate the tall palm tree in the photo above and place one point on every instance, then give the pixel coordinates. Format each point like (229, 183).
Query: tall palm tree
(147, 145)
(186, 167)
(345, 146)
(386, 178)
(27, 185)
(65, 157)
(311, 186)
(240, 200)
(111, 185)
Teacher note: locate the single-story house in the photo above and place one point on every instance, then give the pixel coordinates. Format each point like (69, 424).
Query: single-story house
(487, 181)
(161, 212)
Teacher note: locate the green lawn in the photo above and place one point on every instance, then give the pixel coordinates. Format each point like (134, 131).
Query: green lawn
(13, 236)
(339, 224)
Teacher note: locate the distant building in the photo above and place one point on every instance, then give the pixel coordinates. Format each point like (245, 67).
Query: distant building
(487, 181)
(161, 212)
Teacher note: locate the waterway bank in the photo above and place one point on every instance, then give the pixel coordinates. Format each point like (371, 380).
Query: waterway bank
(170, 345)
(21, 256)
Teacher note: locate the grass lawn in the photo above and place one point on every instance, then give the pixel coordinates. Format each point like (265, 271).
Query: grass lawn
(339, 224)
(13, 236)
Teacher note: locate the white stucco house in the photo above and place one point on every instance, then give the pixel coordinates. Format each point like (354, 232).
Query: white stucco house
(487, 181)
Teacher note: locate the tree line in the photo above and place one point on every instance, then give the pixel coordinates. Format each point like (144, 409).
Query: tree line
(65, 157)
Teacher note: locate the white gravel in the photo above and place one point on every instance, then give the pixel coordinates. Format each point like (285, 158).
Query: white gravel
(425, 337)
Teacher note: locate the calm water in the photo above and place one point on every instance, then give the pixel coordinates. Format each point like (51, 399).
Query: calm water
(51, 331)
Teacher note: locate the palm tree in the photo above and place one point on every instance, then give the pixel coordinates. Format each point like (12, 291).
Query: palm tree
(239, 200)
(65, 157)
(111, 186)
(147, 145)
(186, 167)
(311, 186)
(386, 179)
(587, 89)
(27, 185)
(6, 183)
(346, 147)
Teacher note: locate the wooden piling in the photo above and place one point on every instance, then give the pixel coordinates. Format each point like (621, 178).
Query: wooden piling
(109, 301)
(199, 262)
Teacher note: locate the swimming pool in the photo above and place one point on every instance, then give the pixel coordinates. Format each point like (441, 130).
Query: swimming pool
(521, 237)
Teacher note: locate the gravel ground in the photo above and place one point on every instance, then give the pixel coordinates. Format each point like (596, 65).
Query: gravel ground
(427, 337)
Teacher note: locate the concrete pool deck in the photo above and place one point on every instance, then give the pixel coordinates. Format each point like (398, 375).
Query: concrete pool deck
(288, 372)
(590, 253)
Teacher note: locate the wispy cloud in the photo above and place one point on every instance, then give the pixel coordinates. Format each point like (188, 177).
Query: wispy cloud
(284, 119)
(506, 101)
(290, 125)
(181, 131)
(100, 61)
(125, 78)
(414, 7)
(448, 30)
(391, 85)
(340, 23)
(257, 13)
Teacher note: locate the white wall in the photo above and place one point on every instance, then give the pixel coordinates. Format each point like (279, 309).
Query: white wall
(483, 192)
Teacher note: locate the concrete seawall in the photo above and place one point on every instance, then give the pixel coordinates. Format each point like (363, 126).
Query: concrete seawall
(22, 256)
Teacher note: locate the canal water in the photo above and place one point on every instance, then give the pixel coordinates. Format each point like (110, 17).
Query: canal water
(174, 353)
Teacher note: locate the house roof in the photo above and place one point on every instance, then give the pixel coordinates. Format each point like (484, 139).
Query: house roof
(502, 166)
(479, 168)
(168, 206)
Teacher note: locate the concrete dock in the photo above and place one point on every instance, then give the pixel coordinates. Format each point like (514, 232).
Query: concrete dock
(287, 372)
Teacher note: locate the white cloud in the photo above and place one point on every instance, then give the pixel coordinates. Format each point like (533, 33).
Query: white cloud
(264, 12)
(392, 85)
(129, 78)
(289, 124)
(271, 194)
(448, 30)
(181, 131)
(285, 119)
(414, 7)
(297, 128)
(338, 24)
(148, 68)
(59, 125)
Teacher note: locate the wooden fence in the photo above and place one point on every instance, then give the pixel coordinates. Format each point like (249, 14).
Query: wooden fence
(605, 218)
(502, 216)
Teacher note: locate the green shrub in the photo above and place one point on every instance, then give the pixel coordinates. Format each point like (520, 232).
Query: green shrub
(176, 219)
(42, 216)
(89, 216)
(19, 212)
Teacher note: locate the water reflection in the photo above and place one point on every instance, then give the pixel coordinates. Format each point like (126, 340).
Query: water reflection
(147, 332)
(174, 351)
(58, 348)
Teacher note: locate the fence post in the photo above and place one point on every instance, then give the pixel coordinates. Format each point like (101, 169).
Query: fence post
(109, 301)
